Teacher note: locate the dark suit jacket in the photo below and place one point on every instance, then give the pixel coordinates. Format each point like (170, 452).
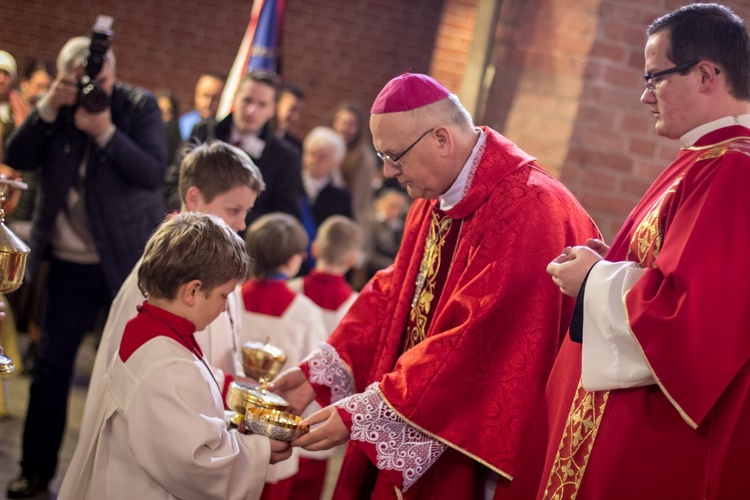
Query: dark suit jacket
(331, 200)
(123, 182)
(279, 164)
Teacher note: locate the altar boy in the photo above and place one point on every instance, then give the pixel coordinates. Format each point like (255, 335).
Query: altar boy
(160, 430)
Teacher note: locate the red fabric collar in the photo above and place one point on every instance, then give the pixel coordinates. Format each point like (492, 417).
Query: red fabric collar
(152, 322)
(506, 158)
(328, 291)
(270, 297)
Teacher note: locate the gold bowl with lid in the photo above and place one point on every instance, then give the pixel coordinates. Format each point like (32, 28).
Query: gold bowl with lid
(263, 411)
(241, 395)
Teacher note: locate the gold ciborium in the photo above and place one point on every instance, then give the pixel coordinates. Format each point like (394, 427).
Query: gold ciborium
(13, 253)
(263, 412)
(262, 361)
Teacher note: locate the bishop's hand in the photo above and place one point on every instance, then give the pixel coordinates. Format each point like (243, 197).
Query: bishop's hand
(293, 386)
(330, 433)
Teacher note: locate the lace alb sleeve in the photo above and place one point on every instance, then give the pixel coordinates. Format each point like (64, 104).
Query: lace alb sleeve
(400, 448)
(329, 370)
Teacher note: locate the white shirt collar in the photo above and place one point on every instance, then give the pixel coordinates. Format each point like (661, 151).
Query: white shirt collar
(692, 137)
(313, 186)
(461, 185)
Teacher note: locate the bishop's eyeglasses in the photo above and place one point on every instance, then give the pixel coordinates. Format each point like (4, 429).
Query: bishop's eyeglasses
(394, 161)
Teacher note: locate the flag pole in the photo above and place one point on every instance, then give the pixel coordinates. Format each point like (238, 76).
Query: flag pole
(239, 67)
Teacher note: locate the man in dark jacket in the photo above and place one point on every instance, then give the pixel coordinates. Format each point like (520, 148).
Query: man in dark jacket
(248, 127)
(101, 196)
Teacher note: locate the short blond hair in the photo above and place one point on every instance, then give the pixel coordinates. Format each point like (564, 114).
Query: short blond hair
(187, 247)
(338, 239)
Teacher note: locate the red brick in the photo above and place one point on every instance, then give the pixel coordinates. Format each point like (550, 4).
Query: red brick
(603, 138)
(600, 181)
(608, 51)
(621, 76)
(644, 147)
(606, 202)
(640, 124)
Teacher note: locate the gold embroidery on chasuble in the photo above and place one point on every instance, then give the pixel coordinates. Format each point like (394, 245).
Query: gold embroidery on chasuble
(733, 145)
(588, 408)
(576, 443)
(649, 234)
(427, 279)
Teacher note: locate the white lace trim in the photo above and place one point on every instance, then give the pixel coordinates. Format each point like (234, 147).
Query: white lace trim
(328, 369)
(400, 447)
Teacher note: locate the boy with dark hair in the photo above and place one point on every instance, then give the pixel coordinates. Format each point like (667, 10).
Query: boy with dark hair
(274, 313)
(336, 249)
(138, 449)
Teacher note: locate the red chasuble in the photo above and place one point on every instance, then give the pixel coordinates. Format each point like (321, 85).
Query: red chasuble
(687, 436)
(493, 331)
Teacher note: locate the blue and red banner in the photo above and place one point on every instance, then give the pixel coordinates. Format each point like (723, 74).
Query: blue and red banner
(258, 49)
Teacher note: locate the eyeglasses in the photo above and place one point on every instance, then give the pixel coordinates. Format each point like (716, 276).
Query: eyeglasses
(677, 69)
(394, 161)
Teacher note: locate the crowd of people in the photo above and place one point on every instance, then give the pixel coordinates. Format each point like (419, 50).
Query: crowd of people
(486, 344)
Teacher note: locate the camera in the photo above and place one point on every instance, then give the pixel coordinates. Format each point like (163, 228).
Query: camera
(90, 94)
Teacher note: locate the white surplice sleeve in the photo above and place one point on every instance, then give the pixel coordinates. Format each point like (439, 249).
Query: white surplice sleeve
(612, 358)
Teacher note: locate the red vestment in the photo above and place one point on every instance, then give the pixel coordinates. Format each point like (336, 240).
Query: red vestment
(688, 435)
(493, 332)
(328, 291)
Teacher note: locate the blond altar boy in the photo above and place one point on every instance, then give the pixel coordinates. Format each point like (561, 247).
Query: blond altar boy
(336, 249)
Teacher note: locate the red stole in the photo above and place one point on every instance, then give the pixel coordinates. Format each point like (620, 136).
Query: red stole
(493, 332)
(152, 322)
(328, 291)
(266, 296)
(688, 436)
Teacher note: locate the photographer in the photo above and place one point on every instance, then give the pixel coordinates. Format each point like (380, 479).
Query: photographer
(100, 198)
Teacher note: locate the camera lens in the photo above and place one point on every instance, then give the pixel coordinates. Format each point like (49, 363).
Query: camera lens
(93, 98)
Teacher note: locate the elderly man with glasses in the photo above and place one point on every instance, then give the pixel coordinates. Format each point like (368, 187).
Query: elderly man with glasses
(650, 397)
(436, 369)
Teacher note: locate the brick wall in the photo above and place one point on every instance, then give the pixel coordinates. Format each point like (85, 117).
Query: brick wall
(335, 49)
(566, 89)
(567, 73)
(454, 38)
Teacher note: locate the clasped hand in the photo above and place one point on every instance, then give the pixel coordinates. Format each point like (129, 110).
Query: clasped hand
(569, 269)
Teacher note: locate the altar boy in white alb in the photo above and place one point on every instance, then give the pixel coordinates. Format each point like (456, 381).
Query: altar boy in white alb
(336, 249)
(276, 244)
(218, 179)
(160, 429)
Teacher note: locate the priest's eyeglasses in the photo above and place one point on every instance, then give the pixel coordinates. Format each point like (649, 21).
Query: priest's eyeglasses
(394, 161)
(650, 77)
